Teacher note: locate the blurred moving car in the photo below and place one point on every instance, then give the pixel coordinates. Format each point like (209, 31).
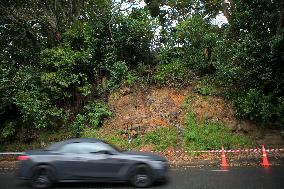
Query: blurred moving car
(79, 160)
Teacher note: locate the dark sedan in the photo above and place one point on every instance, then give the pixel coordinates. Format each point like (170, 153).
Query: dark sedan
(90, 160)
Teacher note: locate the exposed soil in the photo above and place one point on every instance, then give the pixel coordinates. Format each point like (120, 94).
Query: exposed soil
(146, 109)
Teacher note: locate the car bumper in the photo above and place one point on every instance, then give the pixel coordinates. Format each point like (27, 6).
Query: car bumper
(22, 171)
(162, 174)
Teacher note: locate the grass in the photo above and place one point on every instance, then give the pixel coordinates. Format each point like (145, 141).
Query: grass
(208, 135)
(159, 139)
(187, 100)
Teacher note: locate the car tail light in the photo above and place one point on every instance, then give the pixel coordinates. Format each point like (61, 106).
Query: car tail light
(23, 158)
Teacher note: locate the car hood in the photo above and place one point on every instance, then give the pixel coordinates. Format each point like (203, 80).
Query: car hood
(149, 155)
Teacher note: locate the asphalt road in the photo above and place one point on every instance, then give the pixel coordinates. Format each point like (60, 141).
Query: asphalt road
(185, 178)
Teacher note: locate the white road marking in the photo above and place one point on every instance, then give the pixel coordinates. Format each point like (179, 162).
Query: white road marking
(219, 170)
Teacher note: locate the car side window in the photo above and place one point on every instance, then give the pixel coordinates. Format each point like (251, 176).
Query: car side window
(85, 148)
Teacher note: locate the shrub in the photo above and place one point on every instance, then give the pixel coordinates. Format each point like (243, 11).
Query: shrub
(206, 87)
(8, 130)
(61, 72)
(118, 73)
(37, 110)
(131, 77)
(93, 115)
(254, 105)
(96, 112)
(78, 124)
(174, 73)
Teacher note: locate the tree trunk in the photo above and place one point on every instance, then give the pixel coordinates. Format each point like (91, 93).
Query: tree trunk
(226, 5)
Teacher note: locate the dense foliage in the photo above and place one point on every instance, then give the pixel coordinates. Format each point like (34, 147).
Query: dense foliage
(60, 59)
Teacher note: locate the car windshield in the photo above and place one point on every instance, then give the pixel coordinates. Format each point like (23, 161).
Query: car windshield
(115, 147)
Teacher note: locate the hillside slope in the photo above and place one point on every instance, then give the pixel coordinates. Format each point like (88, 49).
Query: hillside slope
(139, 111)
(146, 109)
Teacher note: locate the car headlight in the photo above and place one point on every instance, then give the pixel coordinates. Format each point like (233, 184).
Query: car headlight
(158, 164)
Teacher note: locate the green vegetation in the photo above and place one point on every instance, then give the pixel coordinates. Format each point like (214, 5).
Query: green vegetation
(59, 60)
(254, 105)
(208, 135)
(172, 74)
(159, 139)
(93, 116)
(9, 130)
(206, 87)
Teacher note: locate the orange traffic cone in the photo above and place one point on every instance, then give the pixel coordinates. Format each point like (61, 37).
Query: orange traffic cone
(224, 160)
(265, 162)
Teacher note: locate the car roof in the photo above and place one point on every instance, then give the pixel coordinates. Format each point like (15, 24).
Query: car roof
(57, 145)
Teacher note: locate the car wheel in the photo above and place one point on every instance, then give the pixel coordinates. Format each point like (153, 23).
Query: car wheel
(141, 176)
(42, 177)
